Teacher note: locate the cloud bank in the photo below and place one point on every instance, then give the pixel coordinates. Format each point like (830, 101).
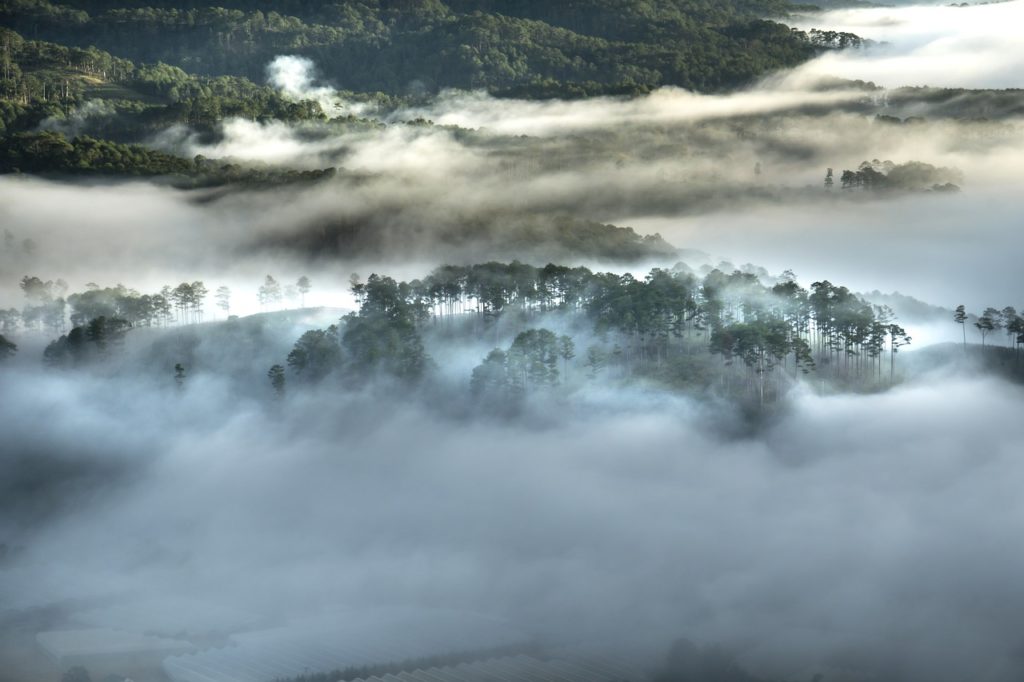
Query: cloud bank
(819, 545)
(974, 46)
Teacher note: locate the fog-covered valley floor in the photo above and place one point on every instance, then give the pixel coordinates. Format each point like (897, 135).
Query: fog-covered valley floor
(755, 419)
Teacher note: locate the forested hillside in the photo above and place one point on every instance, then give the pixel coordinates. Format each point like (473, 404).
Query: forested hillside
(40, 79)
(732, 334)
(526, 47)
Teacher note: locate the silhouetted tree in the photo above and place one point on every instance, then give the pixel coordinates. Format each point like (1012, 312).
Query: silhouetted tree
(304, 286)
(269, 292)
(596, 359)
(277, 380)
(986, 323)
(567, 351)
(316, 354)
(960, 317)
(1008, 321)
(897, 339)
(223, 297)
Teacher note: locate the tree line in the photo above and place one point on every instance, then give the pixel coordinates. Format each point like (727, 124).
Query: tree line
(881, 176)
(992, 321)
(88, 320)
(51, 153)
(764, 335)
(736, 332)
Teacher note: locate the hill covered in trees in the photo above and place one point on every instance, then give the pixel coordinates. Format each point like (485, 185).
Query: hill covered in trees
(496, 337)
(526, 47)
(531, 330)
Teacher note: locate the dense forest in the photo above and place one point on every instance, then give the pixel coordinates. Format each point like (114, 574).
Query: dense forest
(40, 80)
(552, 329)
(522, 47)
(723, 332)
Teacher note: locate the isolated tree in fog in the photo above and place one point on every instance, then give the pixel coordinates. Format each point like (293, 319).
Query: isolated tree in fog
(897, 339)
(199, 293)
(960, 317)
(996, 317)
(270, 292)
(357, 287)
(1015, 328)
(223, 297)
(986, 324)
(596, 359)
(276, 376)
(567, 350)
(7, 348)
(1007, 320)
(304, 286)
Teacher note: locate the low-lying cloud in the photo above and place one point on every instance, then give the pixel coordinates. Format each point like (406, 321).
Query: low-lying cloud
(953, 46)
(865, 536)
(818, 545)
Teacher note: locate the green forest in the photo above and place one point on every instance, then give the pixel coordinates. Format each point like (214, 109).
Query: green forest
(525, 47)
(551, 330)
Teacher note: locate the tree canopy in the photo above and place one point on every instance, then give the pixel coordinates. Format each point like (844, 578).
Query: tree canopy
(525, 47)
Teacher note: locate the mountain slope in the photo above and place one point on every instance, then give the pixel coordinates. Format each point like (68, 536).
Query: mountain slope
(527, 47)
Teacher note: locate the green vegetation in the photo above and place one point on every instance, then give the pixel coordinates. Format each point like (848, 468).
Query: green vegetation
(732, 334)
(49, 153)
(529, 47)
(667, 328)
(879, 176)
(41, 80)
(87, 342)
(518, 234)
(993, 321)
(552, 330)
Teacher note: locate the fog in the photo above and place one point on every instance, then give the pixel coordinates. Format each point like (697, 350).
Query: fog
(947, 251)
(976, 46)
(862, 536)
(412, 197)
(818, 545)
